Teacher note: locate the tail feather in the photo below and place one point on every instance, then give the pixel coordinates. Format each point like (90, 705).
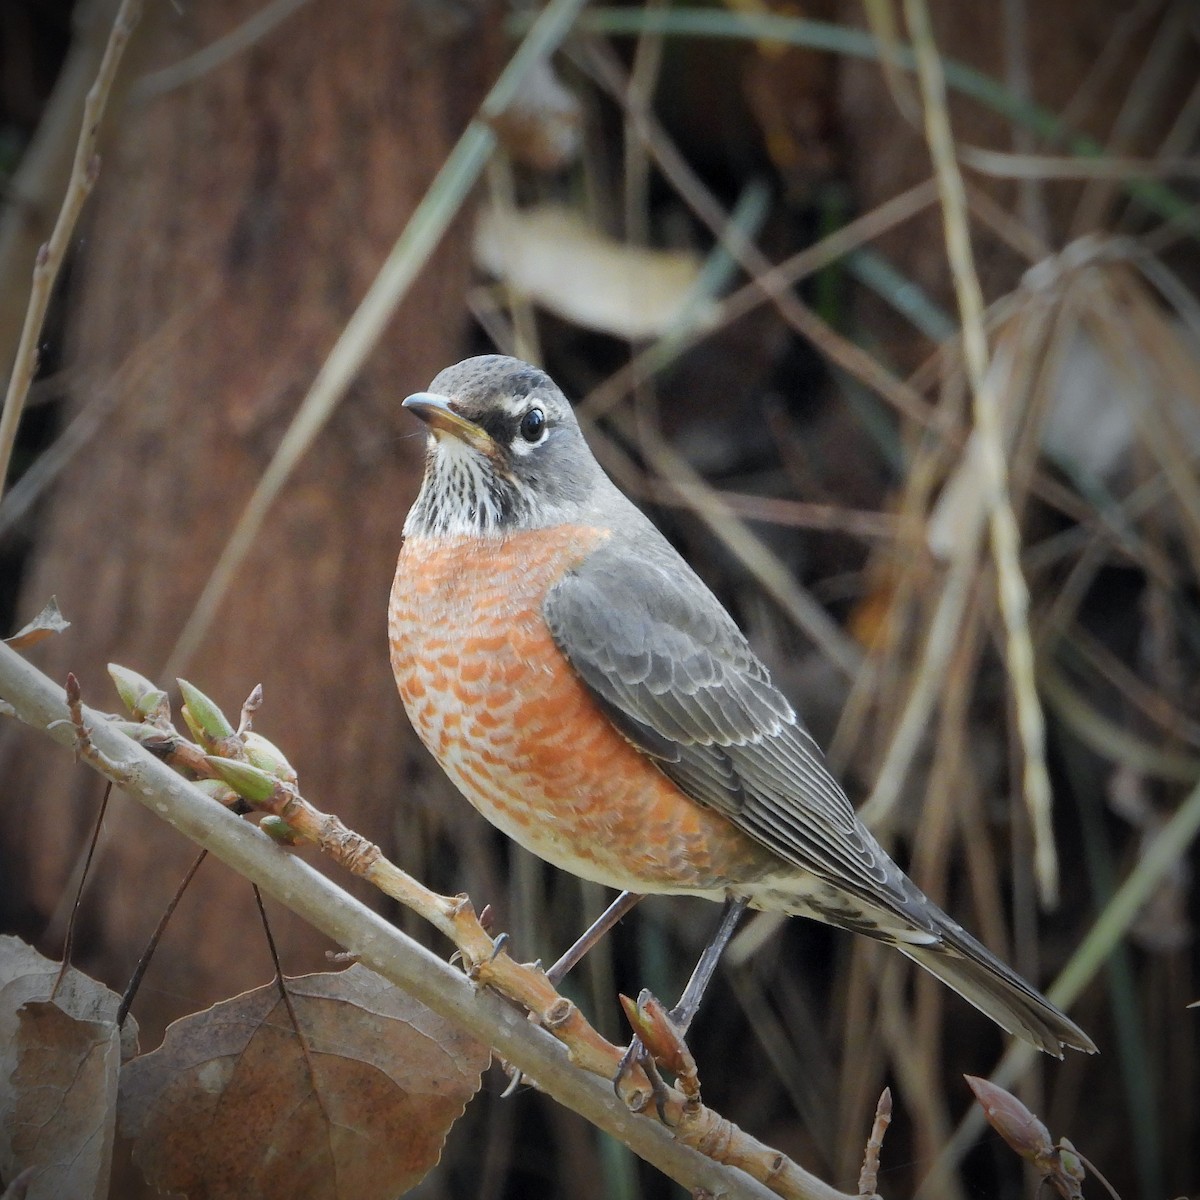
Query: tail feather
(897, 912)
(965, 965)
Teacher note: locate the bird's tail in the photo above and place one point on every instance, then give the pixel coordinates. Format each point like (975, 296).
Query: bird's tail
(964, 964)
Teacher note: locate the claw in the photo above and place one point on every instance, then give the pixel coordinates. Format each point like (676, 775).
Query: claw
(658, 1087)
(515, 1079)
(637, 1055)
(632, 1052)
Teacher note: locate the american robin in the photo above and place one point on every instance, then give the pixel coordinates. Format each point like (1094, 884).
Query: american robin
(592, 698)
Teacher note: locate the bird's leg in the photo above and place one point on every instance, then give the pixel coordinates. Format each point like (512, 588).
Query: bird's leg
(623, 904)
(684, 1012)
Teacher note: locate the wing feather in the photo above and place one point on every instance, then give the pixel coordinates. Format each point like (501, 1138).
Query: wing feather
(680, 681)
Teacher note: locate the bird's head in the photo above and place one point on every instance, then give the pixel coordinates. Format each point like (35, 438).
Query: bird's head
(505, 451)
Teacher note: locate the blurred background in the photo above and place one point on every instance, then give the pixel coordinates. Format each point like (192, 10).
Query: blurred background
(717, 226)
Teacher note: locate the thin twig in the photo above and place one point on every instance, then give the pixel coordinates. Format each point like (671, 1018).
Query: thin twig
(31, 195)
(775, 510)
(103, 398)
(51, 256)
(73, 920)
(1031, 197)
(143, 962)
(1102, 74)
(1142, 97)
(315, 1090)
(868, 1179)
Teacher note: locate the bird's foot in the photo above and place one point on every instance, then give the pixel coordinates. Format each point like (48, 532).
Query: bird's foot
(636, 1055)
(658, 1043)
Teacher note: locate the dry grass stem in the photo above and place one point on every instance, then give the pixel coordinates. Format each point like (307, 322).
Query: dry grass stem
(1003, 164)
(1005, 534)
(799, 514)
(1142, 96)
(926, 687)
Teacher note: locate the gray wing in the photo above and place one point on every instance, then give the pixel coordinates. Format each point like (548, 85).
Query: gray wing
(678, 679)
(675, 675)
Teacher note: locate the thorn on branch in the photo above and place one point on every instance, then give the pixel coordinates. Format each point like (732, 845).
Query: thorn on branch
(515, 1079)
(47, 623)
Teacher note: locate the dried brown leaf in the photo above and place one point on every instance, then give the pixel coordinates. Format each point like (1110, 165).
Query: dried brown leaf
(234, 1105)
(64, 1100)
(49, 621)
(553, 256)
(59, 1064)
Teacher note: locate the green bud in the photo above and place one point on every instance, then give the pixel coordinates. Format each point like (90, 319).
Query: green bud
(221, 792)
(278, 830)
(206, 721)
(249, 782)
(158, 741)
(144, 700)
(268, 757)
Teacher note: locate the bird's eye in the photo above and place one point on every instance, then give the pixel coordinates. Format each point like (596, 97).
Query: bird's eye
(533, 424)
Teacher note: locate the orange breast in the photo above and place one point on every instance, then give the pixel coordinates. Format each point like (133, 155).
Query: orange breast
(489, 693)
